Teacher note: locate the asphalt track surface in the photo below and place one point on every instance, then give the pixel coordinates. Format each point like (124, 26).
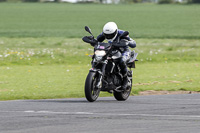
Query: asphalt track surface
(139, 114)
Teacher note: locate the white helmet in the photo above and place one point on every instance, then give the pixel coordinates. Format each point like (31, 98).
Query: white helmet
(110, 30)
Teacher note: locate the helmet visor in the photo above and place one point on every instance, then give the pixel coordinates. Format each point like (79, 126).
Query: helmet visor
(110, 36)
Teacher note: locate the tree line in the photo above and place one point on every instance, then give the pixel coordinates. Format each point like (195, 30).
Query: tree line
(113, 1)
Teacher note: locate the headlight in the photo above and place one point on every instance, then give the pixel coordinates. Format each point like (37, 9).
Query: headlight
(100, 53)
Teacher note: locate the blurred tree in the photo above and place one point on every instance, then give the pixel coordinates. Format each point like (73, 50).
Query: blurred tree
(30, 0)
(13, 0)
(165, 1)
(137, 1)
(195, 1)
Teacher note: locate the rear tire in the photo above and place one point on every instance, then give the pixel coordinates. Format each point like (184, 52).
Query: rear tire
(91, 91)
(122, 96)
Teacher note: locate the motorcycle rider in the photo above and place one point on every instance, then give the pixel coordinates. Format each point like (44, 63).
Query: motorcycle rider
(111, 33)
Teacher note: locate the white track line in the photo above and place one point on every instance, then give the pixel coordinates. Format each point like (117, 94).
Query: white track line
(100, 114)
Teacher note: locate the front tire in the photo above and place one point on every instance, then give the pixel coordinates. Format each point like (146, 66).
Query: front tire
(91, 91)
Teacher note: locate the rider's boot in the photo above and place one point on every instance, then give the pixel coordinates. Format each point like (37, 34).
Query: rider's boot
(124, 74)
(125, 82)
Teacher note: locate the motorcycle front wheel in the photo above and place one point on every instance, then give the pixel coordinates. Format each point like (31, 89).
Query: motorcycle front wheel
(91, 91)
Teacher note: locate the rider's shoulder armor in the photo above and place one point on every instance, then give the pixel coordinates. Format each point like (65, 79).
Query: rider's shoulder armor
(119, 33)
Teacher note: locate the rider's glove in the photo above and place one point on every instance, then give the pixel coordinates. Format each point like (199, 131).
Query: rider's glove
(90, 37)
(121, 43)
(124, 42)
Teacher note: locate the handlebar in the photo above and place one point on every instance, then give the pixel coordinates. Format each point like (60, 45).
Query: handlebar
(89, 39)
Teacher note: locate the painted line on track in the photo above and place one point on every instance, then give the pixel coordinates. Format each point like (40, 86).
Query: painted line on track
(101, 114)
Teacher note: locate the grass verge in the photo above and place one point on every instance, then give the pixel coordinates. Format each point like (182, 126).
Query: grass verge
(41, 68)
(66, 81)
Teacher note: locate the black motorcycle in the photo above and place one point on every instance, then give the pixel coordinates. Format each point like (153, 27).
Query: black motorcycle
(105, 73)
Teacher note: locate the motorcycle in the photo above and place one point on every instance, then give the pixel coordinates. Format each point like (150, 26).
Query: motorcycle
(105, 73)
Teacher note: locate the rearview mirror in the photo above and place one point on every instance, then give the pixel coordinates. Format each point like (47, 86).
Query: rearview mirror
(88, 30)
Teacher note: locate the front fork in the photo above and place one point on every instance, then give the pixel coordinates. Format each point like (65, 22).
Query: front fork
(101, 73)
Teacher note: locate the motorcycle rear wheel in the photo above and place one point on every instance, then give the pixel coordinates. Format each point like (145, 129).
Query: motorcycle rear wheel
(122, 96)
(91, 91)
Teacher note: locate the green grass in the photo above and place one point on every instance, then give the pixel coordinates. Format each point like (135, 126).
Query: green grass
(68, 20)
(64, 81)
(48, 51)
(44, 51)
(29, 70)
(42, 54)
(167, 76)
(38, 82)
